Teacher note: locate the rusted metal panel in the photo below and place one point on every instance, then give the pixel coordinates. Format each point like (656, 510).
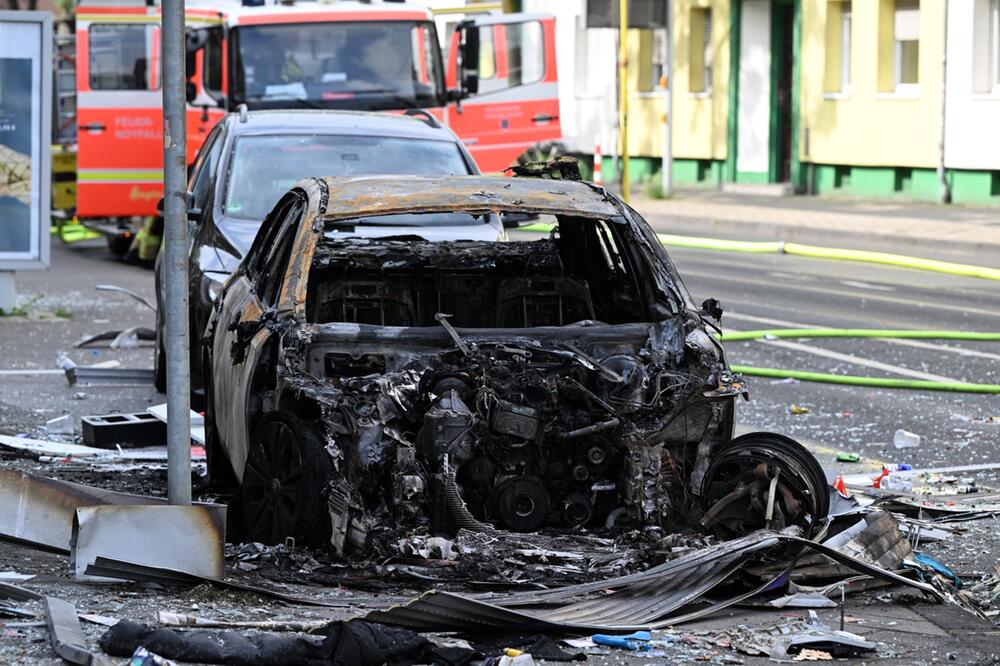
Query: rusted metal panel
(185, 538)
(380, 195)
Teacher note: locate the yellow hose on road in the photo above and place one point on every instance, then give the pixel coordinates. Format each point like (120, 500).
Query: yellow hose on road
(874, 382)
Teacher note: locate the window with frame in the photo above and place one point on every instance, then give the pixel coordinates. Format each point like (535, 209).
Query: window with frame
(510, 54)
(700, 50)
(838, 47)
(652, 60)
(121, 57)
(906, 44)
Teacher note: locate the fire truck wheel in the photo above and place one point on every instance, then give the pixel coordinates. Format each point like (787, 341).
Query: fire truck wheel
(542, 152)
(119, 245)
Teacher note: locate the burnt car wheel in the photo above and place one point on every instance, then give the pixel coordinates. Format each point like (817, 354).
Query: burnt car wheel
(763, 480)
(286, 472)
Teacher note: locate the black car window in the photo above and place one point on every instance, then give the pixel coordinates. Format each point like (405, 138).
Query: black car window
(204, 175)
(273, 272)
(259, 252)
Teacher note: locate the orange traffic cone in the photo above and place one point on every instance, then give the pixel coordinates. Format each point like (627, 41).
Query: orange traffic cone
(597, 161)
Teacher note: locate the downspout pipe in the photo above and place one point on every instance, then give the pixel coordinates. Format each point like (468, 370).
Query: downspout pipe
(942, 173)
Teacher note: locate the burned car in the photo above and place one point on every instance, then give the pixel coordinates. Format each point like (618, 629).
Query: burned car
(565, 381)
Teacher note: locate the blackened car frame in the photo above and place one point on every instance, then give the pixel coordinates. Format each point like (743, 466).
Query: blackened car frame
(365, 386)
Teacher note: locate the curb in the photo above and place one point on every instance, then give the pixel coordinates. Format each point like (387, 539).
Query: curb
(815, 235)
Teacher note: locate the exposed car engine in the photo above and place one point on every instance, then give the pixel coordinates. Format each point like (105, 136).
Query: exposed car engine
(535, 415)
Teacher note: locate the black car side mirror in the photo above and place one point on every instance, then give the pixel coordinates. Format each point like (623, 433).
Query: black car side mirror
(711, 308)
(468, 50)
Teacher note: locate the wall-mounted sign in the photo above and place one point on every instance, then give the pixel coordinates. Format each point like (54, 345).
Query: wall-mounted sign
(25, 153)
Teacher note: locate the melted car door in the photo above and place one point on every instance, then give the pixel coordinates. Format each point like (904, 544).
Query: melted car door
(242, 329)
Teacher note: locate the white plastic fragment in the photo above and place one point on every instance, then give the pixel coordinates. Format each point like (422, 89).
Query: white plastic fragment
(904, 439)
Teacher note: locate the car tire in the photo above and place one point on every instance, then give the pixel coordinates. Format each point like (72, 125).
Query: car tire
(284, 481)
(798, 468)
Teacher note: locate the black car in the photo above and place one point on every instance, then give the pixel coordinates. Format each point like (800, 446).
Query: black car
(251, 159)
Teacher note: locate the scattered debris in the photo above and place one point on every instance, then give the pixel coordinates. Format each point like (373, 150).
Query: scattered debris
(61, 425)
(634, 602)
(126, 430)
(848, 457)
(904, 439)
(65, 632)
(124, 339)
(798, 410)
(127, 292)
(168, 619)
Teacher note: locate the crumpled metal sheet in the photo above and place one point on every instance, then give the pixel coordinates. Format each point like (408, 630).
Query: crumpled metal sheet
(184, 538)
(643, 601)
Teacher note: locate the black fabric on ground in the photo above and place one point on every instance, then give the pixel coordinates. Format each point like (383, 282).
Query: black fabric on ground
(355, 643)
(538, 645)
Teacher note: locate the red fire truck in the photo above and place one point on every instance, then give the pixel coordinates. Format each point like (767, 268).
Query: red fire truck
(497, 90)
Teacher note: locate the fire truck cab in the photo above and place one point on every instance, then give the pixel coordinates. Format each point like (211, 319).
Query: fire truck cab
(497, 90)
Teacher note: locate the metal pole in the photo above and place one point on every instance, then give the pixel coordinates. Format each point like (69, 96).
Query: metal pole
(175, 253)
(666, 170)
(623, 92)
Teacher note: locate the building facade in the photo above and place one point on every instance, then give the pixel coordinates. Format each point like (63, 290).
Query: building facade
(829, 96)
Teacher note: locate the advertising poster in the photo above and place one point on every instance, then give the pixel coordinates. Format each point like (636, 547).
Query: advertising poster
(24, 145)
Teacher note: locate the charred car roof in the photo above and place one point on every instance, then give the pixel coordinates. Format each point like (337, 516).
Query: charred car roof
(363, 196)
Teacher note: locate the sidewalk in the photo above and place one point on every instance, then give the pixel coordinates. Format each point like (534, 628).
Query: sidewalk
(922, 229)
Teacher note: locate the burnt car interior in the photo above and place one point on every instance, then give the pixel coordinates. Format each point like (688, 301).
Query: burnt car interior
(582, 273)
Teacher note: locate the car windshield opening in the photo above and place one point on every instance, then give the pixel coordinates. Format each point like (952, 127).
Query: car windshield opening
(265, 167)
(353, 65)
(589, 271)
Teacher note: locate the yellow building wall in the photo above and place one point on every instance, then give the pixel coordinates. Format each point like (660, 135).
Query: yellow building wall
(699, 130)
(870, 125)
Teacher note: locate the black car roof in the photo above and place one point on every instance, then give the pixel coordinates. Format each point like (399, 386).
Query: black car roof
(367, 123)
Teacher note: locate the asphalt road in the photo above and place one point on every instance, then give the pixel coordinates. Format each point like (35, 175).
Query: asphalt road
(757, 291)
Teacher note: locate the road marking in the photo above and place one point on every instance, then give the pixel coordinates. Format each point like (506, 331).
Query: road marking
(919, 344)
(857, 284)
(857, 360)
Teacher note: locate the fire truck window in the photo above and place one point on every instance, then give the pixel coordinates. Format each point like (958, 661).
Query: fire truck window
(362, 65)
(122, 57)
(510, 54)
(213, 62)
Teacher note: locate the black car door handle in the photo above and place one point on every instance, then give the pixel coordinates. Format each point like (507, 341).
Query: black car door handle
(544, 118)
(94, 127)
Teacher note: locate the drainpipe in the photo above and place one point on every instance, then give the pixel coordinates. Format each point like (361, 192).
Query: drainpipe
(668, 158)
(623, 93)
(942, 174)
